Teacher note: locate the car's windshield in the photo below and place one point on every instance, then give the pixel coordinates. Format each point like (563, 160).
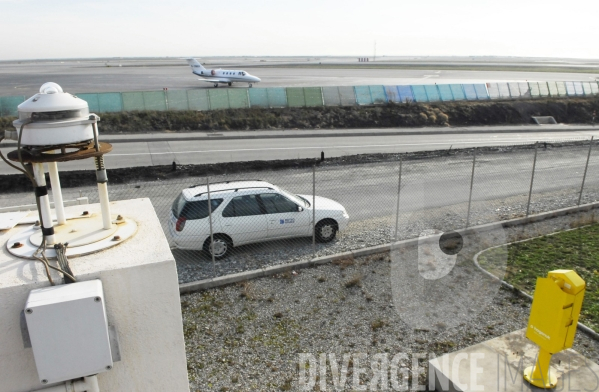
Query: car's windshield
(297, 199)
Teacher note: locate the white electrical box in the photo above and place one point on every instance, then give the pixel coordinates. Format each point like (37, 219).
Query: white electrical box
(69, 331)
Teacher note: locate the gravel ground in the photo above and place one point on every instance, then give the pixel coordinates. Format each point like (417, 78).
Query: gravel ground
(249, 336)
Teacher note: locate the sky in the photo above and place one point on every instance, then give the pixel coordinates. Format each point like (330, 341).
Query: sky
(34, 29)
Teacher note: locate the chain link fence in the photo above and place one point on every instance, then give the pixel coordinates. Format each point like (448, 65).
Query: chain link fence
(387, 197)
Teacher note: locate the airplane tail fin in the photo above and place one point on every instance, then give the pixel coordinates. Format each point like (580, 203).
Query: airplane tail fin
(195, 64)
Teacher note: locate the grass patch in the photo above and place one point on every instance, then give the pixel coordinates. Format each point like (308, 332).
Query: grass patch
(577, 250)
(354, 281)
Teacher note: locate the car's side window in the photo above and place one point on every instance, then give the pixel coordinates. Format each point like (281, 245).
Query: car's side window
(199, 209)
(242, 206)
(275, 203)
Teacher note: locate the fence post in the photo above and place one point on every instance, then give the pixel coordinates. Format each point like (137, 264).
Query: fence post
(471, 186)
(313, 211)
(532, 179)
(585, 170)
(210, 220)
(398, 194)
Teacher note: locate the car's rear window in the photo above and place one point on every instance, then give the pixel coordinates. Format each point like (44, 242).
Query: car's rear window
(193, 209)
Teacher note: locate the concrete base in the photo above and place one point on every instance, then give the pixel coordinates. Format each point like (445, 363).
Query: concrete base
(498, 365)
(141, 294)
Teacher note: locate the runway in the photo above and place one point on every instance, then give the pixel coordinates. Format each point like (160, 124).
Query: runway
(80, 76)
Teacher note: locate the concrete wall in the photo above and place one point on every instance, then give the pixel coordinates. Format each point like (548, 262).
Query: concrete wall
(142, 301)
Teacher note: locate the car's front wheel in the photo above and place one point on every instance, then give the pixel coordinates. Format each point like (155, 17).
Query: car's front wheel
(326, 230)
(222, 246)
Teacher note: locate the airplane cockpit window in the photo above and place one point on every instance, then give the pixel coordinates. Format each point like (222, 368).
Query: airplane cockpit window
(243, 73)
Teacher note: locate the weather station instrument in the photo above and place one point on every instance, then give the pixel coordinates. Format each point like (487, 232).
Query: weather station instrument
(54, 126)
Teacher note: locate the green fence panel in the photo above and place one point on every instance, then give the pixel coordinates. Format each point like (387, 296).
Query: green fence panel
(561, 89)
(133, 101)
(8, 105)
(524, 90)
(378, 94)
(313, 96)
(405, 93)
(493, 90)
(534, 89)
(219, 99)
(578, 88)
(238, 98)
(363, 96)
(277, 97)
(445, 92)
(543, 89)
(392, 94)
(514, 90)
(258, 97)
(347, 95)
(92, 101)
(177, 100)
(432, 93)
(481, 91)
(570, 89)
(504, 90)
(552, 86)
(470, 92)
(154, 100)
(458, 92)
(331, 96)
(586, 86)
(419, 93)
(295, 97)
(110, 102)
(594, 88)
(198, 99)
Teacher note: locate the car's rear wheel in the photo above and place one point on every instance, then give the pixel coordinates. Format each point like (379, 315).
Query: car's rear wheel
(326, 230)
(222, 246)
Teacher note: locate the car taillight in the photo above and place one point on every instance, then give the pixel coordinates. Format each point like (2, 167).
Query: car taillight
(180, 223)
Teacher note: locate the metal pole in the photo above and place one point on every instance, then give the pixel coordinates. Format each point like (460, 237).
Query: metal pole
(532, 179)
(210, 221)
(471, 186)
(42, 195)
(314, 211)
(398, 195)
(57, 193)
(585, 170)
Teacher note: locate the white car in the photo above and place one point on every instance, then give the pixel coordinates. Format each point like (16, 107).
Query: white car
(245, 212)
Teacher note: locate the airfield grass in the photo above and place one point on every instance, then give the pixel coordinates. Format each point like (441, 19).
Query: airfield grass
(576, 250)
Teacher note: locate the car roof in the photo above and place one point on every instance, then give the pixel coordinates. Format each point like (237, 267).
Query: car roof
(200, 192)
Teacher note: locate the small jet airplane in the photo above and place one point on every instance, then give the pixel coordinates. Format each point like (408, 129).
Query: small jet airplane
(217, 76)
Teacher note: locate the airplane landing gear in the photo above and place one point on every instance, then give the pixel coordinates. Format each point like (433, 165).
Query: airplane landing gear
(230, 83)
(250, 85)
(215, 84)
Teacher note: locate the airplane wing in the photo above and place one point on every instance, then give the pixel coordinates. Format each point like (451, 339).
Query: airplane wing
(215, 80)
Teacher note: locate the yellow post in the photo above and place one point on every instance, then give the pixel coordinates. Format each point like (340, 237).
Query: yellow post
(552, 323)
(540, 375)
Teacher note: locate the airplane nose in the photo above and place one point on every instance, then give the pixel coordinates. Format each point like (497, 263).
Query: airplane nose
(257, 79)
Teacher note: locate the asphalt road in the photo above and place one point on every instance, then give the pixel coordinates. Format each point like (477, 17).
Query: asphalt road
(79, 76)
(164, 152)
